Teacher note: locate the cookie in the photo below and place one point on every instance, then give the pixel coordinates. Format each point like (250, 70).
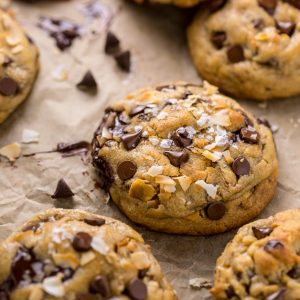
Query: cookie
(180, 3)
(18, 65)
(248, 48)
(183, 158)
(262, 261)
(75, 255)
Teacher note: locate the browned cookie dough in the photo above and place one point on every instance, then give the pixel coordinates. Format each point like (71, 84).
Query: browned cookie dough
(180, 3)
(75, 255)
(18, 65)
(249, 48)
(262, 261)
(183, 158)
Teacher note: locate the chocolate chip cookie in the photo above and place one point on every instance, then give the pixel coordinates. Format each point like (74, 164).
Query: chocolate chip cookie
(18, 65)
(75, 255)
(262, 261)
(183, 158)
(180, 3)
(249, 48)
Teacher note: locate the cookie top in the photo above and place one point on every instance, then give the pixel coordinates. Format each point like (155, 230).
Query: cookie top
(249, 48)
(183, 152)
(75, 255)
(262, 261)
(18, 65)
(180, 3)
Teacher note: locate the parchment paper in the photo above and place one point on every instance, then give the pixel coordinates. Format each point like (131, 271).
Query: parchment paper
(61, 113)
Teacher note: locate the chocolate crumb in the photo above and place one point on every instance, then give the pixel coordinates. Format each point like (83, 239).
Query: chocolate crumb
(62, 190)
(88, 83)
(123, 60)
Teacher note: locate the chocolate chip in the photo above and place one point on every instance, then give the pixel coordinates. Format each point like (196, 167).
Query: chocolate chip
(286, 27)
(294, 272)
(126, 169)
(137, 289)
(34, 227)
(235, 54)
(123, 60)
(142, 273)
(249, 136)
(137, 110)
(241, 166)
(218, 38)
(177, 158)
(62, 190)
(104, 172)
(82, 242)
(8, 87)
(215, 5)
(216, 210)
(86, 296)
(273, 245)
(112, 43)
(295, 3)
(181, 138)
(131, 140)
(268, 5)
(101, 286)
(94, 221)
(279, 295)
(261, 233)
(88, 82)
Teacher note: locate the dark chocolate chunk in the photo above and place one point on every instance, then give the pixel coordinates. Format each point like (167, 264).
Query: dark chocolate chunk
(261, 233)
(216, 210)
(181, 138)
(218, 39)
(241, 166)
(94, 221)
(295, 3)
(82, 242)
(104, 172)
(88, 82)
(137, 289)
(279, 295)
(126, 169)
(4, 295)
(249, 136)
(8, 87)
(273, 245)
(177, 158)
(294, 272)
(143, 273)
(100, 285)
(123, 60)
(215, 5)
(34, 227)
(235, 54)
(71, 147)
(286, 27)
(131, 140)
(268, 5)
(112, 43)
(137, 110)
(62, 190)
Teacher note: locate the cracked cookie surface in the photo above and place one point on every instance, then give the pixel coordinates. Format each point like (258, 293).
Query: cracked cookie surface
(249, 48)
(75, 255)
(180, 3)
(18, 65)
(183, 158)
(262, 261)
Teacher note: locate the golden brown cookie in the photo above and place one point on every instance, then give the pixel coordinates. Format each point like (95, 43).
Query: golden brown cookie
(183, 158)
(18, 65)
(262, 262)
(75, 255)
(180, 3)
(248, 48)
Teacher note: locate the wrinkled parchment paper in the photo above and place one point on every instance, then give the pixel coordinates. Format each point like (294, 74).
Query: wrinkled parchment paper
(61, 113)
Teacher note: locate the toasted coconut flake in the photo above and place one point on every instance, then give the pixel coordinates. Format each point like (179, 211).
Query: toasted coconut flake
(11, 151)
(210, 189)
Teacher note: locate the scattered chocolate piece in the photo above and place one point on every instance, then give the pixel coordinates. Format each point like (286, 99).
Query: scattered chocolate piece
(137, 110)
(94, 221)
(261, 233)
(268, 5)
(249, 136)
(177, 158)
(126, 169)
(62, 190)
(123, 60)
(112, 43)
(34, 227)
(286, 27)
(295, 3)
(180, 137)
(218, 38)
(293, 273)
(131, 140)
(279, 295)
(82, 242)
(70, 149)
(216, 5)
(8, 87)
(241, 166)
(137, 289)
(101, 286)
(216, 210)
(235, 54)
(88, 83)
(104, 172)
(273, 245)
